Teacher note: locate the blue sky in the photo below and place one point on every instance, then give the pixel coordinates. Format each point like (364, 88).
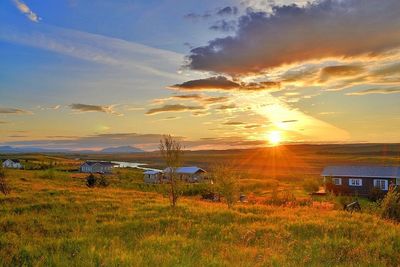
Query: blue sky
(73, 70)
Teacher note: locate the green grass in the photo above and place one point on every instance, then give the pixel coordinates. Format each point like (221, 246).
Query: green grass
(61, 222)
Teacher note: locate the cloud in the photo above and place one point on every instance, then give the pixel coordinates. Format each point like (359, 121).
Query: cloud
(26, 10)
(94, 108)
(227, 11)
(196, 16)
(340, 71)
(223, 25)
(226, 107)
(234, 123)
(219, 82)
(293, 34)
(390, 90)
(13, 111)
(223, 83)
(289, 121)
(97, 48)
(172, 108)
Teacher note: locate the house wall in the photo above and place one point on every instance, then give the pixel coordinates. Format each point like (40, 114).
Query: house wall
(365, 189)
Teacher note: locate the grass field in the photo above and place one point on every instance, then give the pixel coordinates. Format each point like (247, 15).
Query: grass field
(51, 218)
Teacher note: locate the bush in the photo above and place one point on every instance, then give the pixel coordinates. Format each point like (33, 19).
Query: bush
(91, 180)
(390, 206)
(4, 188)
(376, 194)
(311, 185)
(103, 181)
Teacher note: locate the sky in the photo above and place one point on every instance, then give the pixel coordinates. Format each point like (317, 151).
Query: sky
(220, 74)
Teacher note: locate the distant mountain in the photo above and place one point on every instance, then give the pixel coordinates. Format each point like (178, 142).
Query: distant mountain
(121, 149)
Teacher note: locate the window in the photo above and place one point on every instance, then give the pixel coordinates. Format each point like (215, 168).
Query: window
(337, 181)
(355, 182)
(381, 184)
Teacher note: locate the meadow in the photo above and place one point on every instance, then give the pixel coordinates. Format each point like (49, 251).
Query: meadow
(51, 218)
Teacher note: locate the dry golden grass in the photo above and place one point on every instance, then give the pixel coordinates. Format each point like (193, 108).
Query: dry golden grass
(61, 222)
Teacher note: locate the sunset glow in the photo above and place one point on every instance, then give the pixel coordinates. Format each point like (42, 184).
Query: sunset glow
(275, 138)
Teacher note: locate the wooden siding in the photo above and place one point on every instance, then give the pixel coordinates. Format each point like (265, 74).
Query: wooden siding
(365, 189)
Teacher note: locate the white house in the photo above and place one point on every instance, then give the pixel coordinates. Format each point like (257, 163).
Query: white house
(96, 167)
(12, 164)
(153, 176)
(188, 174)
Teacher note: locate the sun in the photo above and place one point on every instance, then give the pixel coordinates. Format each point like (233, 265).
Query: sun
(275, 138)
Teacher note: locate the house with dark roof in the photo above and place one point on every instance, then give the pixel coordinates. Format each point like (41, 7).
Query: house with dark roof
(12, 164)
(96, 167)
(361, 179)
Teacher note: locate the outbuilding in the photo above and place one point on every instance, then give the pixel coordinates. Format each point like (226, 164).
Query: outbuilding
(96, 167)
(12, 164)
(153, 176)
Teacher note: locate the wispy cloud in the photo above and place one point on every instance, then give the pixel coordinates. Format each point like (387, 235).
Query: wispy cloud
(26, 10)
(173, 108)
(95, 108)
(384, 91)
(14, 111)
(99, 49)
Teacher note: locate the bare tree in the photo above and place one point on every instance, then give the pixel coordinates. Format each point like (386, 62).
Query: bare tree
(4, 188)
(226, 181)
(172, 153)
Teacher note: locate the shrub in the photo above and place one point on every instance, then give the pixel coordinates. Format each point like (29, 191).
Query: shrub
(376, 194)
(226, 182)
(91, 180)
(390, 206)
(103, 181)
(311, 185)
(4, 188)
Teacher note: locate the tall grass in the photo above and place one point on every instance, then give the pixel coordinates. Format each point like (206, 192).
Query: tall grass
(53, 222)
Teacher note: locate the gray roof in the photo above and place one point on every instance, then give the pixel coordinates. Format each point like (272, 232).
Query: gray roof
(186, 170)
(363, 171)
(151, 172)
(104, 163)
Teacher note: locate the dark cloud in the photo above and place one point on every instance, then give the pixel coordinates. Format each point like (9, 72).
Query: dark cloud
(219, 82)
(223, 83)
(196, 16)
(252, 126)
(289, 121)
(227, 11)
(390, 90)
(234, 123)
(13, 111)
(290, 34)
(223, 25)
(226, 107)
(93, 108)
(172, 108)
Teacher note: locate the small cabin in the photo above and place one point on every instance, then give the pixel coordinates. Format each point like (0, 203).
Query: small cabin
(188, 174)
(96, 167)
(361, 180)
(12, 164)
(153, 176)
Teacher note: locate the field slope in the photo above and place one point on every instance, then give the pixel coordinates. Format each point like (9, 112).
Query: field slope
(61, 222)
